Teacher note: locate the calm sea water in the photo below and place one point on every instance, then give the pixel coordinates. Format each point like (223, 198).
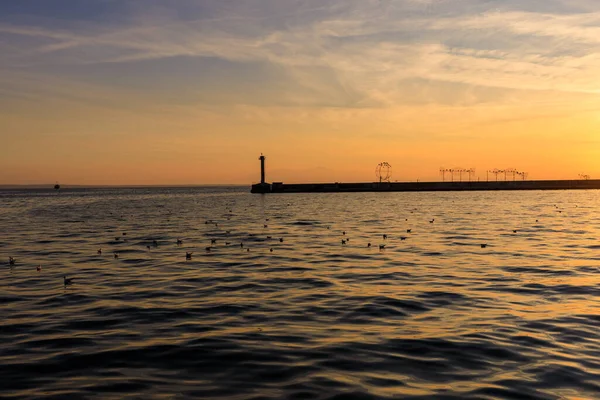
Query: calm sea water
(432, 316)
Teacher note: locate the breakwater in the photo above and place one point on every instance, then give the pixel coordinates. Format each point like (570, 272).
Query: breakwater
(279, 187)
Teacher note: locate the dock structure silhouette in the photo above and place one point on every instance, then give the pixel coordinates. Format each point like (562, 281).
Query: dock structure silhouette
(444, 186)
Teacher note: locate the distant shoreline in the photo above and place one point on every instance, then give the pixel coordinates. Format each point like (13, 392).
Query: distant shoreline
(67, 186)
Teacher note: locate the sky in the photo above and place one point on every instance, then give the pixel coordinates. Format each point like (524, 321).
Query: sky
(121, 92)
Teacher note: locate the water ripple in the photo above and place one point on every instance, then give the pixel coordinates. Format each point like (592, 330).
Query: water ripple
(433, 315)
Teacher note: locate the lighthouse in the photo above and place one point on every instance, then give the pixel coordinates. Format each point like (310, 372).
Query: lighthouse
(262, 168)
(263, 186)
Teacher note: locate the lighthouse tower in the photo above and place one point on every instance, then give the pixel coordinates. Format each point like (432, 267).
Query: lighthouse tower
(262, 168)
(263, 186)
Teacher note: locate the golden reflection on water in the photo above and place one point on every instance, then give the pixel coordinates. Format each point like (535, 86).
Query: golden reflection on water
(428, 315)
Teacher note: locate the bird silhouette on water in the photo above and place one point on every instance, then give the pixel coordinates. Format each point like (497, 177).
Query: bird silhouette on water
(67, 281)
(384, 236)
(402, 237)
(188, 255)
(343, 241)
(431, 222)
(242, 245)
(39, 268)
(381, 246)
(155, 243)
(179, 242)
(271, 250)
(408, 230)
(514, 231)
(208, 248)
(99, 251)
(483, 245)
(368, 244)
(344, 232)
(116, 255)
(213, 241)
(11, 261)
(280, 240)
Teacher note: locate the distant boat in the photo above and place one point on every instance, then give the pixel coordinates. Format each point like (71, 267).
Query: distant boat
(56, 187)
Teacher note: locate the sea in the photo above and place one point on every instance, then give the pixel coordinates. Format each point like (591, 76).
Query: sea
(460, 295)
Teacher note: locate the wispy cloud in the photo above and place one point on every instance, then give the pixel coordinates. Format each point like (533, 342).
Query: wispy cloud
(362, 53)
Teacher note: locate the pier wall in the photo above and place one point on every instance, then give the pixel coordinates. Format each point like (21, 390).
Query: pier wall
(279, 187)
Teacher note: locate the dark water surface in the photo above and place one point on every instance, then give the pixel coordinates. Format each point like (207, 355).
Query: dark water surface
(432, 316)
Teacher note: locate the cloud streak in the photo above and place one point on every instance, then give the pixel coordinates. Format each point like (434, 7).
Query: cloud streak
(370, 48)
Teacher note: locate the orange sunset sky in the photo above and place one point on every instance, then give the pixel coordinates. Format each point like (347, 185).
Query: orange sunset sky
(190, 92)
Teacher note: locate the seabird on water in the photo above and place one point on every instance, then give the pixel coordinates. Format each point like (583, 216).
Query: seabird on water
(11, 261)
(188, 255)
(67, 281)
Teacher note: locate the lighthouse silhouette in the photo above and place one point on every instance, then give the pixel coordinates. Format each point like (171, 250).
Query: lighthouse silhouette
(262, 168)
(263, 186)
